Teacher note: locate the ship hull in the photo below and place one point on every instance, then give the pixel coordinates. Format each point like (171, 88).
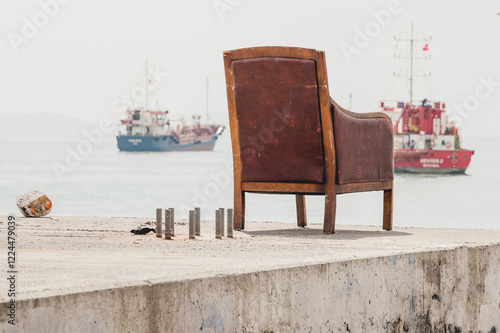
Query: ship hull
(432, 161)
(440, 171)
(162, 143)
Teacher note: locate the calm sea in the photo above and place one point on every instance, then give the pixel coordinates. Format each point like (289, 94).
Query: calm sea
(107, 182)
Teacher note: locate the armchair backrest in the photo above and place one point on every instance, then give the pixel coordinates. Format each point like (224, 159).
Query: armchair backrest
(279, 112)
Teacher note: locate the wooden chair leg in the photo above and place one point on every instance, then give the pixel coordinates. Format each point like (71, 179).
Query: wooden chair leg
(388, 209)
(239, 210)
(301, 210)
(330, 208)
(242, 210)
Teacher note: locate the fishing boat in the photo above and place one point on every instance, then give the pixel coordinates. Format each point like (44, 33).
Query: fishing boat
(425, 141)
(143, 129)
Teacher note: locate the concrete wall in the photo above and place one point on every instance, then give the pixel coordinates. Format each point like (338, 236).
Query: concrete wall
(455, 290)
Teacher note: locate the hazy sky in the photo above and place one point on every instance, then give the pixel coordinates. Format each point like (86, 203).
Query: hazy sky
(84, 55)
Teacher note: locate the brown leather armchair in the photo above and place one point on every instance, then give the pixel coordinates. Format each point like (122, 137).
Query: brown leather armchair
(289, 137)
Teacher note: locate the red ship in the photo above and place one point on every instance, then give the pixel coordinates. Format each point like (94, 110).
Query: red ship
(424, 140)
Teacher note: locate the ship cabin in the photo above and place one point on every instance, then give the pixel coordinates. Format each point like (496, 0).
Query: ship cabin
(422, 125)
(145, 123)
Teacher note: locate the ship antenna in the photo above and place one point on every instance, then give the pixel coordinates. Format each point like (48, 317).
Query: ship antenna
(411, 65)
(207, 100)
(147, 85)
(412, 58)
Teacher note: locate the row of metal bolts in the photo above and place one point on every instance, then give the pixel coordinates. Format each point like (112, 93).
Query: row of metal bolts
(194, 223)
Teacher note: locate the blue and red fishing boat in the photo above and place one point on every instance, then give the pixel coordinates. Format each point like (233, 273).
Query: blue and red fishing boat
(152, 131)
(146, 130)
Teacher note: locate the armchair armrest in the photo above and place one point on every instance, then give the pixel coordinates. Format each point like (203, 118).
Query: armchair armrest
(366, 115)
(363, 144)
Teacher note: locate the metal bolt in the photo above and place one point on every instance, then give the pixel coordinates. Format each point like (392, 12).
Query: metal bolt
(167, 224)
(230, 223)
(217, 224)
(221, 221)
(158, 222)
(172, 221)
(197, 220)
(191, 225)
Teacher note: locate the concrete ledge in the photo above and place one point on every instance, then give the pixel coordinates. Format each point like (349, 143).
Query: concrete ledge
(271, 278)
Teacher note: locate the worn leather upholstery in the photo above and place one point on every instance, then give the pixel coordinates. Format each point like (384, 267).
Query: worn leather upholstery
(364, 148)
(278, 120)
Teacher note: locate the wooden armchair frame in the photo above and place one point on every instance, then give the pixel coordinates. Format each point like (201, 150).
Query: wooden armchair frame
(330, 187)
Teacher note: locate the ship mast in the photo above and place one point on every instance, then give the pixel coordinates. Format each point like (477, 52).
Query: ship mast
(147, 85)
(207, 100)
(411, 75)
(411, 64)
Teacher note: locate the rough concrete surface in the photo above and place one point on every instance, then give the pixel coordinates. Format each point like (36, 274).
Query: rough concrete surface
(84, 274)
